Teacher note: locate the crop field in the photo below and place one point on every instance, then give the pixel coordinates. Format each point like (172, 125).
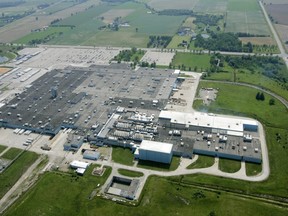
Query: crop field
(58, 7)
(49, 32)
(172, 4)
(258, 40)
(59, 194)
(86, 24)
(246, 16)
(22, 27)
(110, 15)
(278, 12)
(211, 6)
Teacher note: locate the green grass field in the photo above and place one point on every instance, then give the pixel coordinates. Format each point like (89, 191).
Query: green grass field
(11, 153)
(253, 169)
(59, 194)
(235, 100)
(2, 148)
(160, 166)
(130, 173)
(245, 76)
(202, 162)
(194, 61)
(11, 175)
(50, 32)
(229, 166)
(122, 156)
(176, 40)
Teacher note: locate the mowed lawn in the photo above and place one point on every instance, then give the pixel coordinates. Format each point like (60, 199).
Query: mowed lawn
(191, 60)
(59, 194)
(241, 100)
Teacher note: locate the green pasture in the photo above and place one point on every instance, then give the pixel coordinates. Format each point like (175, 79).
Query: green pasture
(60, 194)
(240, 100)
(203, 161)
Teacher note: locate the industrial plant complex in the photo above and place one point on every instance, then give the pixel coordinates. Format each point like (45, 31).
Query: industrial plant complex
(147, 110)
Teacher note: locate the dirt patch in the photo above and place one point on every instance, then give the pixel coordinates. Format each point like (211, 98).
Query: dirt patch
(110, 15)
(258, 40)
(278, 12)
(4, 70)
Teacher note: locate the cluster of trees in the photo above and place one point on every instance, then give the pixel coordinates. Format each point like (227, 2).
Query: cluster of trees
(221, 42)
(159, 41)
(260, 96)
(146, 64)
(129, 55)
(55, 21)
(176, 12)
(45, 39)
(211, 20)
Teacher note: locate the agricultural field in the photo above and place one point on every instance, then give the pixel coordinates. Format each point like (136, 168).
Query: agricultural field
(139, 26)
(58, 7)
(211, 6)
(229, 101)
(22, 27)
(43, 36)
(161, 197)
(278, 12)
(258, 40)
(246, 16)
(172, 4)
(283, 33)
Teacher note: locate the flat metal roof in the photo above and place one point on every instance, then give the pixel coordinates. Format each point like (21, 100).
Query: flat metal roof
(156, 146)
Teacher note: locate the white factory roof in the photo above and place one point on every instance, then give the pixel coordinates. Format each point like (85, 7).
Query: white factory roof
(79, 164)
(156, 146)
(207, 120)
